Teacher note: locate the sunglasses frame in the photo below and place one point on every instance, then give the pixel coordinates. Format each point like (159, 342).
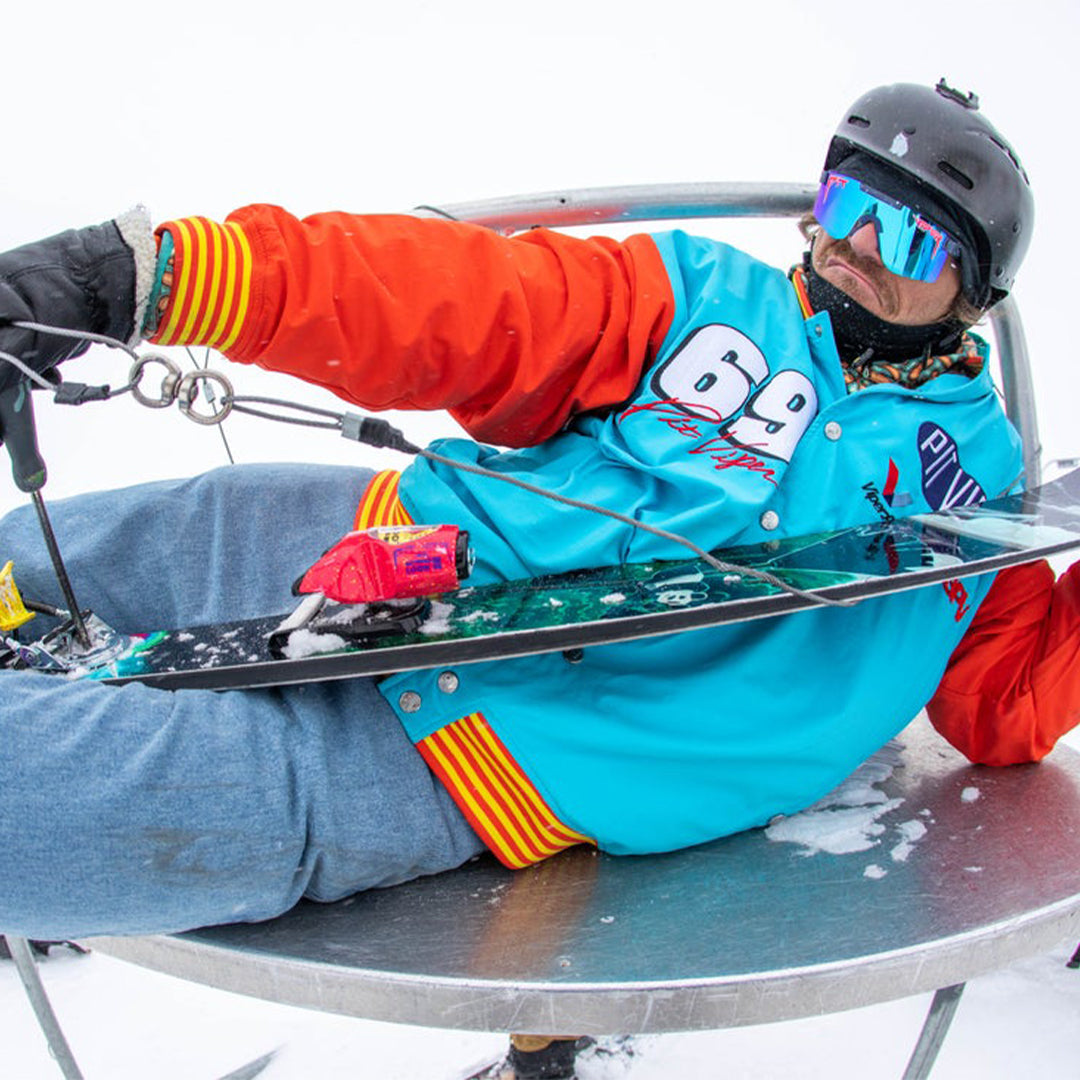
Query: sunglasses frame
(897, 236)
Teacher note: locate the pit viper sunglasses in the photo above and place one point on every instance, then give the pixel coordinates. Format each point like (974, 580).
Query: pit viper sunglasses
(910, 244)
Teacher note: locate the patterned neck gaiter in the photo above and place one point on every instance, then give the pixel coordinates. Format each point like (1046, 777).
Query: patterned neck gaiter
(906, 359)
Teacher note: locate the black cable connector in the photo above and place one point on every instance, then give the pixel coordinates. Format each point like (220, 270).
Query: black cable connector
(372, 431)
(73, 393)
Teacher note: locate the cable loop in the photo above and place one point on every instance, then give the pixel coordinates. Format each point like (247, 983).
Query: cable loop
(29, 372)
(78, 335)
(243, 404)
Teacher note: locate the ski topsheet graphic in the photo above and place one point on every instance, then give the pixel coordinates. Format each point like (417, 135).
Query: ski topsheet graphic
(609, 604)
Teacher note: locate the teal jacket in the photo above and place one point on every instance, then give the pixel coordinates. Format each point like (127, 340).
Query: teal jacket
(740, 430)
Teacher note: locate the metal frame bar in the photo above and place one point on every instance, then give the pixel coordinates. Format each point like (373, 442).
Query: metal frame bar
(935, 1028)
(641, 202)
(59, 1048)
(1018, 388)
(26, 966)
(674, 202)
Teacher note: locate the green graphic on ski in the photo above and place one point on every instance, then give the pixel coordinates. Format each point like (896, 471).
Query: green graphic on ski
(602, 606)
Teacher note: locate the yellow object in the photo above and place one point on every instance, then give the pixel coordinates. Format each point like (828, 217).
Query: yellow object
(12, 612)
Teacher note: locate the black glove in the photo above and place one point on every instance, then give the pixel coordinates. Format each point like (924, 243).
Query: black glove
(82, 279)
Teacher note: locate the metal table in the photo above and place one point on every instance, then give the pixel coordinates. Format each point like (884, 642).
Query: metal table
(971, 868)
(742, 931)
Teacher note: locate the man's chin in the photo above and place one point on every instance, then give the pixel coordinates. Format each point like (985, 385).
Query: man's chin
(850, 282)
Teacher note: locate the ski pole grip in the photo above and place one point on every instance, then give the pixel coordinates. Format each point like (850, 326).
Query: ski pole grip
(17, 430)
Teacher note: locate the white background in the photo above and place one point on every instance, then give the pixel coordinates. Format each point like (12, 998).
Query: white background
(197, 108)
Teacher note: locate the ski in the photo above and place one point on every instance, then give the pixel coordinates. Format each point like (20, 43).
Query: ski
(324, 640)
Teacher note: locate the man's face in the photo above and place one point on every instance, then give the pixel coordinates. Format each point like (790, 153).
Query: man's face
(854, 266)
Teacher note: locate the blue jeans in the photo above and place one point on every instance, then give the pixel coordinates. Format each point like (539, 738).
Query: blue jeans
(125, 809)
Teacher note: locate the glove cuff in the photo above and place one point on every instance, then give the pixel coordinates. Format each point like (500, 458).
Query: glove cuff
(137, 232)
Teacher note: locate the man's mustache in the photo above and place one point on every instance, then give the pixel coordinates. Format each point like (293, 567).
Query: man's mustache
(871, 269)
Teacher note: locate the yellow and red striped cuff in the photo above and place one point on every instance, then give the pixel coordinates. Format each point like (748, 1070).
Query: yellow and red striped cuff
(211, 284)
(497, 798)
(380, 505)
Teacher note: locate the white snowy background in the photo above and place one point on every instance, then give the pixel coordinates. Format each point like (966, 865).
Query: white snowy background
(200, 107)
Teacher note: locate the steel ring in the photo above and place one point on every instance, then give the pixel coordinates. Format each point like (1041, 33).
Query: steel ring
(188, 393)
(169, 382)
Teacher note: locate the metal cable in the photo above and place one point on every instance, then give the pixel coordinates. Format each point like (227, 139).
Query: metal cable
(29, 372)
(701, 553)
(360, 430)
(239, 404)
(77, 335)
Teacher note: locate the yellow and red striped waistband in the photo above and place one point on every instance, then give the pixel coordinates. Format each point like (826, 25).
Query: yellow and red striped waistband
(497, 798)
(210, 291)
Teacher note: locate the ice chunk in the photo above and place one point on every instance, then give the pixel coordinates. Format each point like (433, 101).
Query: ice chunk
(438, 620)
(836, 831)
(911, 832)
(303, 643)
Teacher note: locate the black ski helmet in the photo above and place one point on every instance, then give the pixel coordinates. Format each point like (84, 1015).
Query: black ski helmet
(939, 138)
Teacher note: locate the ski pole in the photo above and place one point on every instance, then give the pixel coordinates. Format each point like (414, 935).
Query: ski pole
(19, 433)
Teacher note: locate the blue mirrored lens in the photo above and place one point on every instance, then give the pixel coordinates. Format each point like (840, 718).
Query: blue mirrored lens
(910, 245)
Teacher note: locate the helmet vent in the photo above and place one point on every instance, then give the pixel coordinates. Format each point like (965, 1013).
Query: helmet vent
(953, 173)
(858, 121)
(1011, 155)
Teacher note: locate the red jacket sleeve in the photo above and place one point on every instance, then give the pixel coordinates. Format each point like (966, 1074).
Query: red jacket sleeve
(1012, 687)
(512, 335)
